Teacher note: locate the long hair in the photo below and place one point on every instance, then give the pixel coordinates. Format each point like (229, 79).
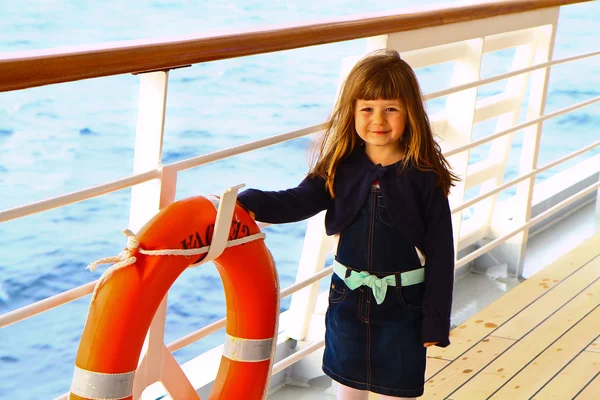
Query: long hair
(382, 74)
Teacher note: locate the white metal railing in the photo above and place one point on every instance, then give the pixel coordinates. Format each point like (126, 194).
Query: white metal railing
(464, 44)
(488, 247)
(500, 77)
(519, 127)
(124, 183)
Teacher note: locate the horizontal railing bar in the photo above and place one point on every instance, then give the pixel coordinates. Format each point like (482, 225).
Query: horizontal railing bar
(518, 179)
(497, 242)
(244, 148)
(22, 69)
(197, 335)
(300, 354)
(85, 194)
(495, 105)
(45, 305)
(510, 39)
(515, 128)
(83, 290)
(307, 282)
(75, 197)
(495, 78)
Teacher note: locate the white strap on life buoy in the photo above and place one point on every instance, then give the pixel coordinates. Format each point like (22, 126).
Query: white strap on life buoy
(247, 350)
(101, 386)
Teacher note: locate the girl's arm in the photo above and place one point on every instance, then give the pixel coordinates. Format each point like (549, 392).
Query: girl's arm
(291, 205)
(439, 270)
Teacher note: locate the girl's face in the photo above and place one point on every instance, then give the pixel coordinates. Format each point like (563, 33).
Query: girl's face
(380, 123)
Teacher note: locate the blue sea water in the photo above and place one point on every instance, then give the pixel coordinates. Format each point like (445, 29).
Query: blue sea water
(62, 138)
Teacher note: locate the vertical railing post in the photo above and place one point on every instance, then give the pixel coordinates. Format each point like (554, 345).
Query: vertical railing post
(314, 252)
(460, 113)
(146, 200)
(145, 197)
(544, 46)
(500, 148)
(498, 157)
(597, 210)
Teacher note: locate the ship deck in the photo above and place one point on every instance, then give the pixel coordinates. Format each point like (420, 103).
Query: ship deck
(540, 340)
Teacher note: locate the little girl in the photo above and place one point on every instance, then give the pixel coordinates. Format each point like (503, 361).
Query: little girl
(384, 183)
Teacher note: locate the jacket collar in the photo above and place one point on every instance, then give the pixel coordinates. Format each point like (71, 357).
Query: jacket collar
(367, 167)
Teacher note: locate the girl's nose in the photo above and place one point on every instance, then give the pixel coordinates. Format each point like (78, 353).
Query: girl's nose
(378, 117)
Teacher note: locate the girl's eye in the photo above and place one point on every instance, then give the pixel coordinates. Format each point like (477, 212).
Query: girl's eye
(367, 109)
(392, 109)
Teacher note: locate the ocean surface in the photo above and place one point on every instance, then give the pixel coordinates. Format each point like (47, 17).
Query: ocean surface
(62, 138)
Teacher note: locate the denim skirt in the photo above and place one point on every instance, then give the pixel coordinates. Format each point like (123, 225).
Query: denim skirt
(370, 346)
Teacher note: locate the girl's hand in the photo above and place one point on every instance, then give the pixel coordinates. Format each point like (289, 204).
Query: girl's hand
(429, 344)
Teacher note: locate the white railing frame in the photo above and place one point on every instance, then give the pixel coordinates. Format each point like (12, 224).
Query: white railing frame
(156, 362)
(127, 182)
(514, 246)
(153, 185)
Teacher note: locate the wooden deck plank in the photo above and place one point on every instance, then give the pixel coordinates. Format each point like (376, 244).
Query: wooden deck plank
(486, 321)
(595, 346)
(518, 356)
(574, 377)
(591, 391)
(552, 300)
(544, 367)
(459, 371)
(434, 365)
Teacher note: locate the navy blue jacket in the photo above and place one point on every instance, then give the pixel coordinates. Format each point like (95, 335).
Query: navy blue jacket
(415, 203)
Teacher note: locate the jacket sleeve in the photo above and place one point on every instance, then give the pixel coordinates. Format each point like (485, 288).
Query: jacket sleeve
(439, 269)
(291, 205)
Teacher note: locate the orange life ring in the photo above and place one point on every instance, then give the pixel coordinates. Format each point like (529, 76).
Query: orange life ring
(123, 308)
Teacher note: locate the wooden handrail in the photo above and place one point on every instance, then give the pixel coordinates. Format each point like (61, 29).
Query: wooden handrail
(20, 70)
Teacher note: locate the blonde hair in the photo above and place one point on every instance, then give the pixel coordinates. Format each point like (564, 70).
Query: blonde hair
(382, 74)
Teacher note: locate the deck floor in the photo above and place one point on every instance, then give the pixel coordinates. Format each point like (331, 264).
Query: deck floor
(539, 341)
